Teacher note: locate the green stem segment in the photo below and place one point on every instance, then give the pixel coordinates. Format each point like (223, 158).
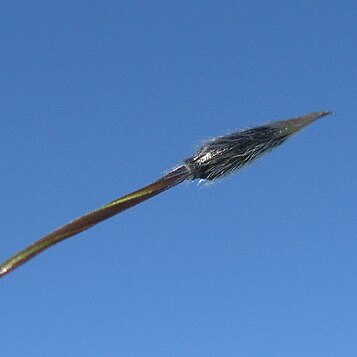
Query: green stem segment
(90, 219)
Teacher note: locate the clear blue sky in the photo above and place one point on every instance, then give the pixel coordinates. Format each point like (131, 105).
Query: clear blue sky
(99, 98)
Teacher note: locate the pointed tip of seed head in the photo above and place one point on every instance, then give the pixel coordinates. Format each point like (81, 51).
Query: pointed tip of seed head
(321, 114)
(291, 126)
(309, 118)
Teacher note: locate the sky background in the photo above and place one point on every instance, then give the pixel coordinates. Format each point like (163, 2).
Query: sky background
(101, 98)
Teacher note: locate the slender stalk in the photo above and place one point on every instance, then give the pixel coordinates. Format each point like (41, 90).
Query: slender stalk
(90, 219)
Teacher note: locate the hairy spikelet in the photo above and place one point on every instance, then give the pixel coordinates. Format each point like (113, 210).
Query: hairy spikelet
(226, 154)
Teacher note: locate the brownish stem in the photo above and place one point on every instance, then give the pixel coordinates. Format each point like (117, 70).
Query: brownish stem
(90, 219)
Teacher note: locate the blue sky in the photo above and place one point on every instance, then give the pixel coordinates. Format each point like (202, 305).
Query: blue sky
(101, 98)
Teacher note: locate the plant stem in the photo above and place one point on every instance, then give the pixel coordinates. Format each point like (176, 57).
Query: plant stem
(90, 219)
